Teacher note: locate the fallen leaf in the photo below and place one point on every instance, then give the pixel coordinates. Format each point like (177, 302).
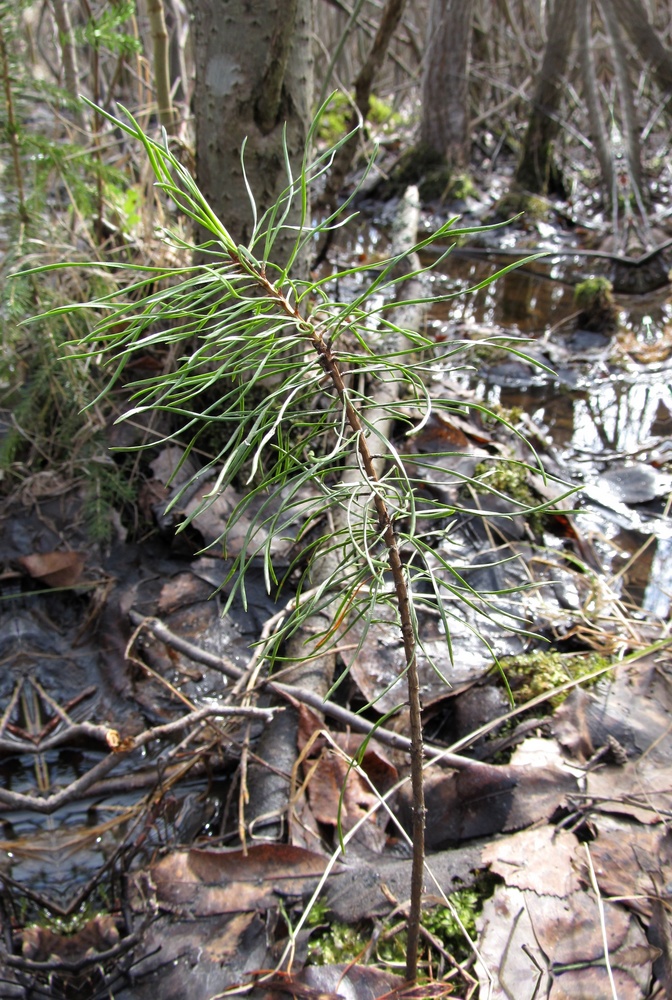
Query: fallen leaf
(40, 944)
(56, 569)
(203, 883)
(642, 790)
(543, 946)
(338, 982)
(539, 859)
(181, 590)
(629, 861)
(487, 798)
(336, 792)
(222, 947)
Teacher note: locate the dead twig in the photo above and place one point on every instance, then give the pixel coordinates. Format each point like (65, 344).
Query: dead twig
(121, 748)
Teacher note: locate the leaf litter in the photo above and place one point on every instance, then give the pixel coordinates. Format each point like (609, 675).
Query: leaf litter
(207, 916)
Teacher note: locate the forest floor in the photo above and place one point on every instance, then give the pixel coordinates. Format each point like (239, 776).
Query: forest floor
(130, 707)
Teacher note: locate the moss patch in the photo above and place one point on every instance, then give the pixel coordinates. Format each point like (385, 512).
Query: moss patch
(513, 203)
(419, 165)
(595, 302)
(340, 942)
(539, 672)
(337, 943)
(335, 119)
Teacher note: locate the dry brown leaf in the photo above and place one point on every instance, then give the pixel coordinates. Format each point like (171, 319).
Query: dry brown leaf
(336, 792)
(224, 945)
(203, 883)
(487, 799)
(633, 710)
(40, 944)
(380, 659)
(642, 789)
(56, 569)
(543, 946)
(181, 590)
(629, 861)
(539, 859)
(337, 982)
(660, 935)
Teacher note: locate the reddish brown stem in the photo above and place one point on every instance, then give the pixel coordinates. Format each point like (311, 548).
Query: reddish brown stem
(386, 527)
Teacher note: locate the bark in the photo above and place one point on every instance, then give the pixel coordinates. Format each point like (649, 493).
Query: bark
(157, 23)
(632, 16)
(633, 156)
(66, 40)
(445, 81)
(535, 165)
(11, 127)
(597, 130)
(253, 78)
(363, 84)
(180, 55)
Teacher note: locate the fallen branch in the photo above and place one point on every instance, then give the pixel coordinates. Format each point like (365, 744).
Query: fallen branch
(120, 748)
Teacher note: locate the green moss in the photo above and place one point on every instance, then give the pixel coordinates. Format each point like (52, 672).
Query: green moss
(532, 207)
(96, 906)
(595, 302)
(319, 914)
(511, 414)
(536, 673)
(337, 943)
(335, 120)
(586, 292)
(441, 922)
(341, 942)
(505, 477)
(443, 925)
(383, 114)
(460, 187)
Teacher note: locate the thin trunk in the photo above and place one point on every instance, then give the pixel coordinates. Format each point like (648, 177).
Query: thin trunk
(632, 15)
(534, 169)
(159, 32)
(445, 82)
(97, 124)
(66, 41)
(633, 179)
(268, 787)
(12, 127)
(253, 83)
(363, 84)
(597, 129)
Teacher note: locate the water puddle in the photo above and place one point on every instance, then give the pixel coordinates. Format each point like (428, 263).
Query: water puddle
(603, 415)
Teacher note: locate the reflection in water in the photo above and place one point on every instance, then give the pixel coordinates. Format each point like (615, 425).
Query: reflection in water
(615, 416)
(592, 414)
(658, 593)
(518, 298)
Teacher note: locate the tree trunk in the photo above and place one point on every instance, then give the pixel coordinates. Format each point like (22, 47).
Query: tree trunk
(535, 165)
(633, 157)
(66, 41)
(597, 130)
(363, 83)
(445, 82)
(253, 78)
(633, 17)
(157, 23)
